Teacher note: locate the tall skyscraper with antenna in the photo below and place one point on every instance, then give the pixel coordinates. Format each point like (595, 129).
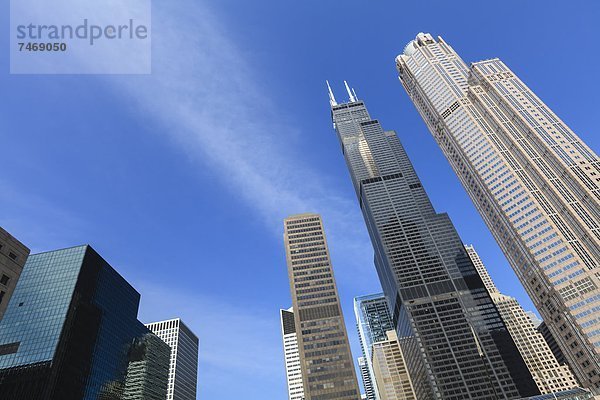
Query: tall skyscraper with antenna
(452, 338)
(533, 180)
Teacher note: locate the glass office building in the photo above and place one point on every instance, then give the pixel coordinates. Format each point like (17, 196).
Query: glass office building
(452, 337)
(373, 320)
(71, 332)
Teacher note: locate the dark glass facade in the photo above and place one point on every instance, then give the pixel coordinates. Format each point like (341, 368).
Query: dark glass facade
(71, 332)
(287, 322)
(454, 342)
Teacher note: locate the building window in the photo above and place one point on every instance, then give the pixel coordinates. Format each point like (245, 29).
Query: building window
(4, 280)
(12, 255)
(2, 293)
(9, 348)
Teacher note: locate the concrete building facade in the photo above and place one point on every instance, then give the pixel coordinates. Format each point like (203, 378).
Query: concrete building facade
(13, 255)
(367, 378)
(325, 357)
(549, 375)
(293, 371)
(390, 370)
(532, 179)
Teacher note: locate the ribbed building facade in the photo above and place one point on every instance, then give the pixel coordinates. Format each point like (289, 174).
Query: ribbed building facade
(373, 320)
(183, 366)
(325, 358)
(533, 180)
(549, 375)
(367, 378)
(453, 339)
(293, 371)
(390, 370)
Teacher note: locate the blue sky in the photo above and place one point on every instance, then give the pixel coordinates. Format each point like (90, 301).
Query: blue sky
(181, 179)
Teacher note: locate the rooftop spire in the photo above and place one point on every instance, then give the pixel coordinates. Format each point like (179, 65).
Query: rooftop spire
(350, 95)
(331, 96)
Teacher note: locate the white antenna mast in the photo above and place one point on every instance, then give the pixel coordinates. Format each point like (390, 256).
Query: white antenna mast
(352, 98)
(331, 96)
(355, 96)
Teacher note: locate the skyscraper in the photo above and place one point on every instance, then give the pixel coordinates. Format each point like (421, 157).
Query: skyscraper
(71, 332)
(183, 368)
(453, 339)
(548, 374)
(390, 371)
(534, 182)
(325, 357)
(291, 354)
(534, 319)
(13, 255)
(373, 320)
(147, 369)
(367, 378)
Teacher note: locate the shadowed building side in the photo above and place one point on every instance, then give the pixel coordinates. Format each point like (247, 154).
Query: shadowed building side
(549, 375)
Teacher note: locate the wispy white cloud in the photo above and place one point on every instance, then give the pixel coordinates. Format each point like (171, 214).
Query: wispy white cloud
(203, 95)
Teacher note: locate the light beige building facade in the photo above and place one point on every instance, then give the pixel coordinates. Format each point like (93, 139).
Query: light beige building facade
(13, 255)
(547, 373)
(535, 183)
(325, 357)
(389, 368)
(293, 371)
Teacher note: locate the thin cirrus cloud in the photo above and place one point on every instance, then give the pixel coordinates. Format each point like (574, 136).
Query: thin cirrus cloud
(202, 94)
(203, 97)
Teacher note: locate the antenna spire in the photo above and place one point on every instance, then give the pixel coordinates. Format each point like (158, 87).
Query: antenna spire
(350, 95)
(331, 96)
